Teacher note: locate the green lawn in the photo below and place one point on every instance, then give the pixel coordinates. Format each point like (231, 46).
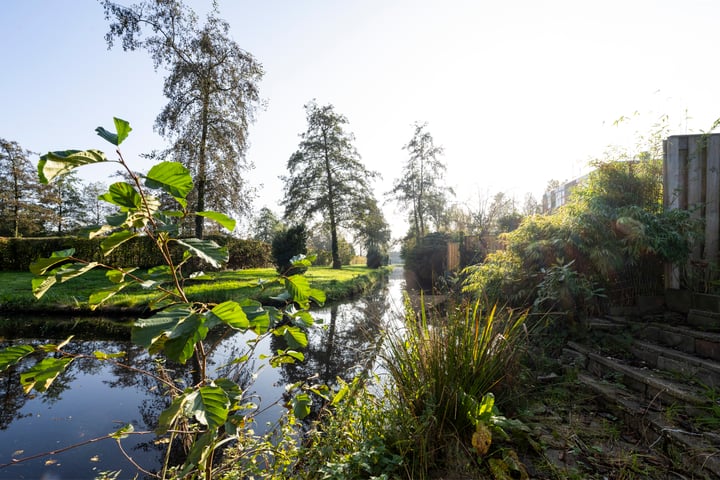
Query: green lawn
(16, 291)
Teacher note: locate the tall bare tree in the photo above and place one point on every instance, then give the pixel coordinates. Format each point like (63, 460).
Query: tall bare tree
(212, 91)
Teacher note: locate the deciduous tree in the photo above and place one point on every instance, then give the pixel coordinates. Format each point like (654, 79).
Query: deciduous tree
(326, 175)
(212, 91)
(95, 209)
(64, 202)
(373, 232)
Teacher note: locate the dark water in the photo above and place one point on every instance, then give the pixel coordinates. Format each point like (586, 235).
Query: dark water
(92, 399)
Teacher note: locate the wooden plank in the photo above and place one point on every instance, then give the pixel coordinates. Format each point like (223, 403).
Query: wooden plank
(671, 173)
(695, 192)
(453, 256)
(671, 177)
(712, 201)
(695, 175)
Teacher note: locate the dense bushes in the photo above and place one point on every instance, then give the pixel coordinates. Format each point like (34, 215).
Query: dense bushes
(16, 254)
(610, 240)
(248, 254)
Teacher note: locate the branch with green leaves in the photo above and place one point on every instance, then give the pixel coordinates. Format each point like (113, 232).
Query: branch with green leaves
(214, 410)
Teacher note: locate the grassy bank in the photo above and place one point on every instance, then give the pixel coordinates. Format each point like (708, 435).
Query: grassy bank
(16, 291)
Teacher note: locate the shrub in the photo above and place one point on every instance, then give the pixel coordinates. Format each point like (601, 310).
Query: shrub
(248, 254)
(608, 239)
(287, 245)
(376, 258)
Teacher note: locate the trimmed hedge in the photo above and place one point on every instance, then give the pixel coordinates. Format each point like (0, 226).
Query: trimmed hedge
(16, 254)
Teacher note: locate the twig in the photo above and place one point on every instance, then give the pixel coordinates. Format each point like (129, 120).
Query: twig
(130, 459)
(674, 430)
(65, 449)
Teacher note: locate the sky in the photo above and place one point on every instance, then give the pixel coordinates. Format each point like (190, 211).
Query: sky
(517, 93)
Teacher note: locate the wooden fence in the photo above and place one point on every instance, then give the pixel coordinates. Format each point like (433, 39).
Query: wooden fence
(691, 172)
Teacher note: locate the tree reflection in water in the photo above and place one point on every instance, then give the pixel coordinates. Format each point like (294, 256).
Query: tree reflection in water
(344, 345)
(91, 398)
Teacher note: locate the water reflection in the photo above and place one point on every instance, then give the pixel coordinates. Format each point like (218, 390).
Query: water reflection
(91, 399)
(88, 400)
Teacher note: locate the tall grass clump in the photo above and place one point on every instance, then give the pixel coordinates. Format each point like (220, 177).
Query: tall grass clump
(441, 368)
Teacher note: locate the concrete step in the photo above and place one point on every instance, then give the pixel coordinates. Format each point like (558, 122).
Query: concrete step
(666, 385)
(703, 344)
(697, 452)
(694, 342)
(657, 390)
(687, 366)
(704, 320)
(606, 325)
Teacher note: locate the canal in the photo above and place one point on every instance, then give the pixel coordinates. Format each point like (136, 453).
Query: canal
(92, 399)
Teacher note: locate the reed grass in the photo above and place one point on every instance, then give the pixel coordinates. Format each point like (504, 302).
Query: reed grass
(433, 362)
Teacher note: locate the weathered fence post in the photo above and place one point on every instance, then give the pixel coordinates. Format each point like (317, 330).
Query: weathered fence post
(691, 176)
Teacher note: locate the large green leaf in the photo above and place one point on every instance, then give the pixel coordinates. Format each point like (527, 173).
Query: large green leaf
(209, 405)
(207, 250)
(181, 340)
(299, 289)
(170, 414)
(42, 374)
(173, 178)
(317, 296)
(258, 316)
(68, 272)
(294, 336)
(115, 240)
(199, 452)
(117, 220)
(232, 389)
(175, 330)
(123, 195)
(303, 318)
(122, 128)
(230, 313)
(40, 285)
(147, 331)
(42, 265)
(53, 164)
(301, 405)
(221, 218)
(12, 355)
(98, 297)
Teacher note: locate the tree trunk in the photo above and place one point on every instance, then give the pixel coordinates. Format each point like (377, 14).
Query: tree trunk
(16, 204)
(336, 263)
(201, 179)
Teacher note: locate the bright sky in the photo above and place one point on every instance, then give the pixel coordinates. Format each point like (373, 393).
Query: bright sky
(517, 92)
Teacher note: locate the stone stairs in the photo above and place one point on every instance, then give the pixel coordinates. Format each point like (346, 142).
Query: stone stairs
(661, 375)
